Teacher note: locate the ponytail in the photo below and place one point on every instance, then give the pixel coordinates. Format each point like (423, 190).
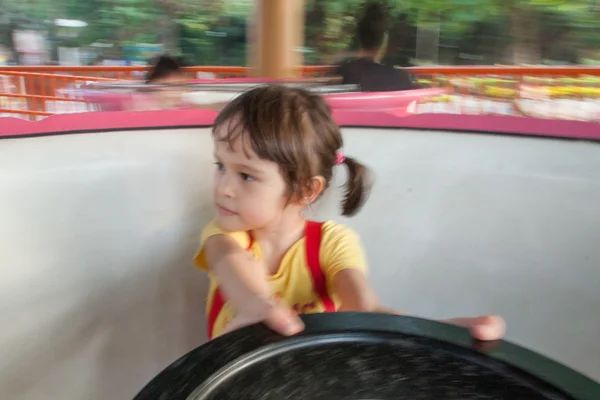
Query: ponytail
(358, 187)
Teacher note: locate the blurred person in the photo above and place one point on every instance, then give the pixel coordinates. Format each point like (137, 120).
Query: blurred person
(366, 70)
(166, 71)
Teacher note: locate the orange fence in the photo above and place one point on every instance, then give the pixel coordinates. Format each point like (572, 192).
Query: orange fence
(125, 73)
(41, 94)
(38, 91)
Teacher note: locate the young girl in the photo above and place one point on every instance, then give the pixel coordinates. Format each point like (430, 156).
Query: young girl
(275, 152)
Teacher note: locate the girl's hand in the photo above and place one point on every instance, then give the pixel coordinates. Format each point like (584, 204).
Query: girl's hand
(285, 321)
(488, 327)
(356, 294)
(274, 314)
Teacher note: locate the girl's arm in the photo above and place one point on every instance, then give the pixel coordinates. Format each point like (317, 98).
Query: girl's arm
(356, 294)
(241, 277)
(244, 284)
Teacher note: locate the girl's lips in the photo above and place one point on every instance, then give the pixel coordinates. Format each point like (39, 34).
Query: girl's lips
(225, 211)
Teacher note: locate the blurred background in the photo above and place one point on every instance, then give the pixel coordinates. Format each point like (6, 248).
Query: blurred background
(508, 224)
(215, 32)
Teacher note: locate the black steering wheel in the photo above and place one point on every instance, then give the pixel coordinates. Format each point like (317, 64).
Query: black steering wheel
(364, 356)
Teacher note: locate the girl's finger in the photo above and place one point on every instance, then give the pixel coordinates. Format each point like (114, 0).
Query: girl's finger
(284, 320)
(489, 327)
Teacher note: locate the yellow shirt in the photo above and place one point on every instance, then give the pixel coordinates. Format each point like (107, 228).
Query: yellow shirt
(340, 248)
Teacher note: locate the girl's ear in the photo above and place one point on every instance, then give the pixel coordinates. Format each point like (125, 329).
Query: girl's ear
(314, 189)
(309, 192)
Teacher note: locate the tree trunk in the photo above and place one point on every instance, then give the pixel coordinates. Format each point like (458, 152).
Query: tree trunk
(525, 35)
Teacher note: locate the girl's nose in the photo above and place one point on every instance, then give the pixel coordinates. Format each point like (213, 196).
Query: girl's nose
(225, 186)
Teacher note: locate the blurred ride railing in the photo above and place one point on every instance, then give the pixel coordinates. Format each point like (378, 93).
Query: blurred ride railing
(544, 92)
(565, 92)
(34, 92)
(37, 95)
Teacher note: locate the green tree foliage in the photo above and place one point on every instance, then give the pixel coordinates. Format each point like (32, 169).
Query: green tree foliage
(523, 20)
(214, 31)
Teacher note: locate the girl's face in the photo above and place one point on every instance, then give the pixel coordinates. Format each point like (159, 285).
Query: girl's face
(249, 193)
(169, 97)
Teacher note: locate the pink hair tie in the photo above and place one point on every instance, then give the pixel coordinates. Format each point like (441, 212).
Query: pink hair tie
(339, 158)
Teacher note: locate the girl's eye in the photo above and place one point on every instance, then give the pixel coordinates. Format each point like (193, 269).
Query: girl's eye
(246, 177)
(220, 166)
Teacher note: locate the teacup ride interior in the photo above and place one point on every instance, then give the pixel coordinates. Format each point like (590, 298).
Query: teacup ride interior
(101, 215)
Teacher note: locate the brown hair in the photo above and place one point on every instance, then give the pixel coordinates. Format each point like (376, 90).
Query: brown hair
(163, 67)
(295, 129)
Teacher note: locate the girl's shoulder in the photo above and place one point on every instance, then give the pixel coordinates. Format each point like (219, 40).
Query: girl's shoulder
(333, 232)
(340, 248)
(213, 228)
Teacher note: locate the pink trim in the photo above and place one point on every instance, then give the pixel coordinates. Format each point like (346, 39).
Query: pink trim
(380, 101)
(509, 125)
(103, 121)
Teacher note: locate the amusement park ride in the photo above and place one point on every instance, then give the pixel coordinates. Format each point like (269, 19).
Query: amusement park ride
(487, 187)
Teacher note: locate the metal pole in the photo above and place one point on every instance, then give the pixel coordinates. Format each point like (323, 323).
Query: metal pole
(276, 33)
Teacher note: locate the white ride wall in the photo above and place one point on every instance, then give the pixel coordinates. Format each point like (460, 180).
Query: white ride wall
(97, 232)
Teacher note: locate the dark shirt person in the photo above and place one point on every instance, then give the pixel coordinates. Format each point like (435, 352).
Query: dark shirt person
(366, 71)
